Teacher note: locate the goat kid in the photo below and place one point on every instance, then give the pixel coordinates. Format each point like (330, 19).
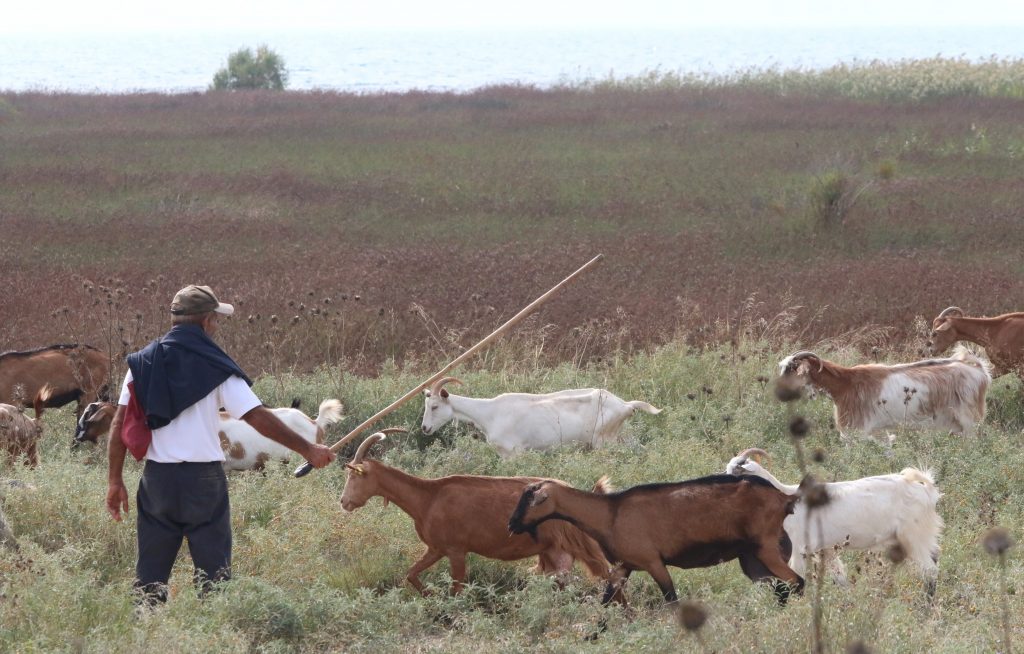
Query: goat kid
(1002, 337)
(525, 421)
(946, 394)
(19, 434)
(872, 513)
(689, 524)
(459, 514)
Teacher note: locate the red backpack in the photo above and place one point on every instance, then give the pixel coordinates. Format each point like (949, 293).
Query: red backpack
(135, 433)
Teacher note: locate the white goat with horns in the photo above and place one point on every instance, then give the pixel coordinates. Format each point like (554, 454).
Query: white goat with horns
(872, 513)
(524, 421)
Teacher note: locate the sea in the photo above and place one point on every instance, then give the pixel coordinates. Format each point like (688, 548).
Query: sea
(461, 61)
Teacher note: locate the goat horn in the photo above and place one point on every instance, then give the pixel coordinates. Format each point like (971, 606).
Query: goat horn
(436, 388)
(803, 354)
(949, 311)
(370, 441)
(755, 453)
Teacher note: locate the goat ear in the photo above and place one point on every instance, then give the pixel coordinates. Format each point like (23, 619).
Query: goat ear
(444, 392)
(944, 326)
(358, 469)
(539, 497)
(426, 392)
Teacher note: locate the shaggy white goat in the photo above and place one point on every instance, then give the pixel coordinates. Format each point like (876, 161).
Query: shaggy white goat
(872, 513)
(524, 421)
(247, 449)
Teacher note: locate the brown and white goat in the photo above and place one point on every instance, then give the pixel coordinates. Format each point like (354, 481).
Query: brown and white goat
(459, 514)
(688, 524)
(1002, 337)
(75, 373)
(947, 394)
(19, 434)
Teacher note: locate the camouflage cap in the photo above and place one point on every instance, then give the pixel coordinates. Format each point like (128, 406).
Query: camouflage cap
(195, 299)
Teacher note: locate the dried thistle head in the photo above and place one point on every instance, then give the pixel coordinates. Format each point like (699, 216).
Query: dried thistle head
(896, 554)
(818, 456)
(786, 391)
(997, 540)
(814, 492)
(799, 426)
(691, 615)
(858, 647)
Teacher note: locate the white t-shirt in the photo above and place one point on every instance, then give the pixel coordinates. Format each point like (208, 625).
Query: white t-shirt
(194, 435)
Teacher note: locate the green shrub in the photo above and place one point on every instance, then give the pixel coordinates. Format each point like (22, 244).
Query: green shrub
(246, 70)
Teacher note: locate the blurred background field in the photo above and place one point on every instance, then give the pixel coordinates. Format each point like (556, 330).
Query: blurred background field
(402, 225)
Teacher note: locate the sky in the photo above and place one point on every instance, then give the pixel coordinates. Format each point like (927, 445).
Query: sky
(117, 16)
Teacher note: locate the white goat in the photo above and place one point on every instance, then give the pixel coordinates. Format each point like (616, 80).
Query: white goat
(872, 513)
(524, 421)
(247, 449)
(947, 394)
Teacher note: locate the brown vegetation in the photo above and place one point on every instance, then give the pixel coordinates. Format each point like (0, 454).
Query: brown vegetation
(363, 228)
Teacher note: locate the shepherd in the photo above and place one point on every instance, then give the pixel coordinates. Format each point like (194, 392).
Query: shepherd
(167, 414)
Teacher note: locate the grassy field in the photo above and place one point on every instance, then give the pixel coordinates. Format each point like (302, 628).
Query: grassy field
(309, 578)
(366, 239)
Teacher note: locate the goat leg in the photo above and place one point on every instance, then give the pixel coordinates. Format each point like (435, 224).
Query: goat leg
(458, 561)
(615, 589)
(429, 558)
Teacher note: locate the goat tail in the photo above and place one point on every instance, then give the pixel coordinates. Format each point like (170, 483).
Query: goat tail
(640, 405)
(914, 475)
(330, 412)
(924, 478)
(603, 486)
(584, 549)
(43, 395)
(963, 354)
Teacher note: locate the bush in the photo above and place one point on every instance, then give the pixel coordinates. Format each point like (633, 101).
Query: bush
(245, 70)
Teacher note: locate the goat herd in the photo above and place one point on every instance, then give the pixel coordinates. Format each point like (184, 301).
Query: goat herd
(745, 514)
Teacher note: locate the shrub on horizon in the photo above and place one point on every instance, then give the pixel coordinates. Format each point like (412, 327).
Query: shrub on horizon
(245, 69)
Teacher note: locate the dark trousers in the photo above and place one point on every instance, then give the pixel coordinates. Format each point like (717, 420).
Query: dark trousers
(182, 500)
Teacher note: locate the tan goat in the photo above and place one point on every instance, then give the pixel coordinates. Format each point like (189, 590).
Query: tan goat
(75, 373)
(1002, 337)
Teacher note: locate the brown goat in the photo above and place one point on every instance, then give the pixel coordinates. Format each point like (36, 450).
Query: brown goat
(459, 514)
(688, 524)
(75, 373)
(94, 422)
(1002, 337)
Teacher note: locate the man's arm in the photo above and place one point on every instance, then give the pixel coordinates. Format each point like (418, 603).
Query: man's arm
(117, 494)
(265, 422)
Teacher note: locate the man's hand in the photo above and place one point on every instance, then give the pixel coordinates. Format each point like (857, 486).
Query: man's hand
(319, 455)
(117, 500)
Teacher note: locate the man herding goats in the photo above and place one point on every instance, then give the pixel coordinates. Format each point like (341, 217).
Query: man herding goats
(168, 414)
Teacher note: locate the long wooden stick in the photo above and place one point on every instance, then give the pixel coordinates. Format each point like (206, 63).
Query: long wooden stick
(305, 468)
